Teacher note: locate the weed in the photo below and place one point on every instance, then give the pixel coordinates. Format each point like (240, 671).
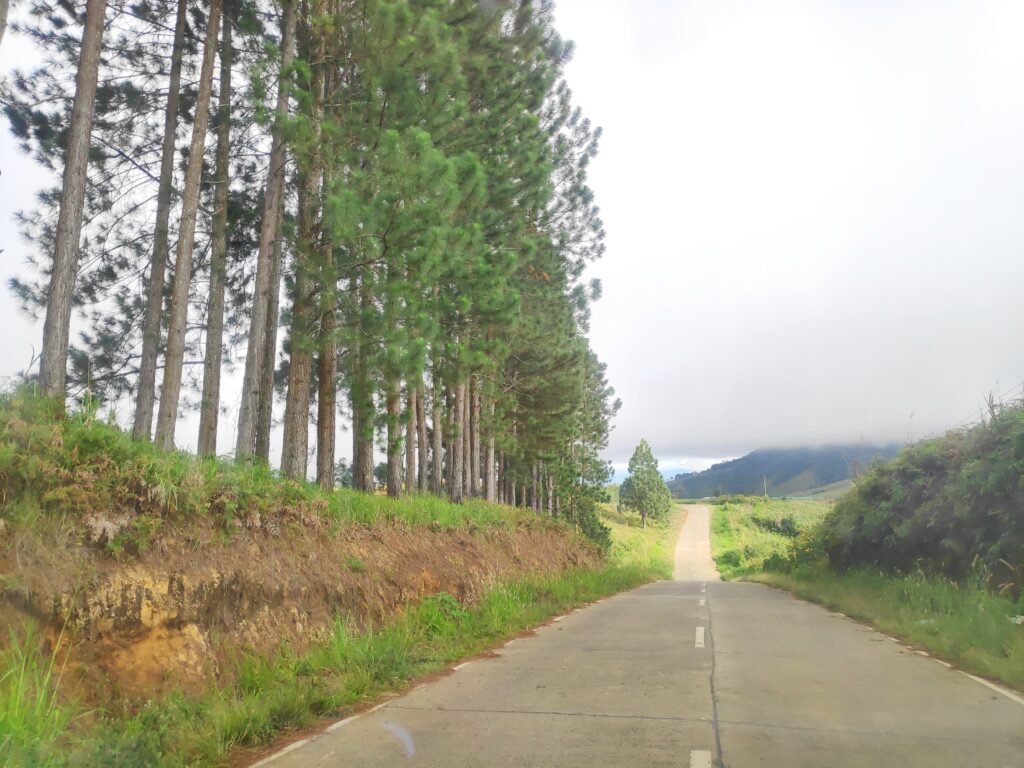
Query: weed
(32, 719)
(355, 565)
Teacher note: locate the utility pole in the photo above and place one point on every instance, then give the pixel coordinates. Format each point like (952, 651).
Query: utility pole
(765, 478)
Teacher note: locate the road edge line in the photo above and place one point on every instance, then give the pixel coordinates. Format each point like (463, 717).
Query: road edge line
(997, 688)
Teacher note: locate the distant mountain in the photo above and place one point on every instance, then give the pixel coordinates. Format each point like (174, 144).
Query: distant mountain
(619, 475)
(789, 471)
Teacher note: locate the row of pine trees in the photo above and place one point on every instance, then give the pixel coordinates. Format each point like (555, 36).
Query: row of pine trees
(372, 209)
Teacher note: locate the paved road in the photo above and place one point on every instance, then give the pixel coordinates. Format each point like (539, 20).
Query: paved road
(690, 672)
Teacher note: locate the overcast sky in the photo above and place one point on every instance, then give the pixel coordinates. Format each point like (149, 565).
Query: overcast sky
(815, 216)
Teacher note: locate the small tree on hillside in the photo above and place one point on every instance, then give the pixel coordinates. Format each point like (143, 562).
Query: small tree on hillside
(644, 491)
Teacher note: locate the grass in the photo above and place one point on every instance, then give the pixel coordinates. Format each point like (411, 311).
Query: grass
(961, 622)
(70, 467)
(749, 534)
(30, 712)
(652, 548)
(288, 691)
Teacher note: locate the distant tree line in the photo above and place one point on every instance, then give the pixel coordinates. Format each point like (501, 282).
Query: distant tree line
(398, 185)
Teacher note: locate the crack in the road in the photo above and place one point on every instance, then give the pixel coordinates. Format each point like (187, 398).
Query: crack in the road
(719, 759)
(669, 718)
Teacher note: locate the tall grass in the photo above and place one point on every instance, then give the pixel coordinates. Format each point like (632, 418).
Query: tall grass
(66, 466)
(31, 715)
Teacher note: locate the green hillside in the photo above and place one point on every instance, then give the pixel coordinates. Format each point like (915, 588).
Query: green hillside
(788, 471)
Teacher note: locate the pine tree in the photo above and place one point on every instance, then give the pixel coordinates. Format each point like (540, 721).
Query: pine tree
(146, 390)
(644, 491)
(167, 417)
(56, 330)
(432, 239)
(210, 406)
(255, 397)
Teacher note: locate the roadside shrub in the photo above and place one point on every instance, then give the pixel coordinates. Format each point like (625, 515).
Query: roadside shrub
(950, 506)
(590, 525)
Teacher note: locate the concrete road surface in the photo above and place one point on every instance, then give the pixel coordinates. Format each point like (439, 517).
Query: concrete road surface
(690, 672)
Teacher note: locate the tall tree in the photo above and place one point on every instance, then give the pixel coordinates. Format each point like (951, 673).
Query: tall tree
(146, 387)
(53, 363)
(307, 136)
(264, 288)
(644, 491)
(265, 412)
(210, 404)
(167, 418)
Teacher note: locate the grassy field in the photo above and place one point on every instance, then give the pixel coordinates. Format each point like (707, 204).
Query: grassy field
(749, 534)
(288, 691)
(961, 622)
(652, 549)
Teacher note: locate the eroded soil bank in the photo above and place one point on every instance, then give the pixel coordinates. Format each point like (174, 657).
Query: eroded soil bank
(174, 616)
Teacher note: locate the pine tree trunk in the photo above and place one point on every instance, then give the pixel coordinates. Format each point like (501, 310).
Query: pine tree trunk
(3, 19)
(327, 401)
(252, 379)
(367, 481)
(361, 393)
(467, 446)
(500, 478)
(410, 440)
(490, 469)
(295, 440)
(146, 394)
(57, 327)
(210, 406)
(167, 417)
(295, 447)
(449, 439)
(394, 414)
(422, 483)
(550, 495)
(534, 496)
(458, 450)
(437, 436)
(265, 415)
(474, 477)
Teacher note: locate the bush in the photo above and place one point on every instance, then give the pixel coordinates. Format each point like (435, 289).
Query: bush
(590, 525)
(949, 506)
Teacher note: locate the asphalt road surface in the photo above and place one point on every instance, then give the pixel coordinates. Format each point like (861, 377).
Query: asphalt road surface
(691, 672)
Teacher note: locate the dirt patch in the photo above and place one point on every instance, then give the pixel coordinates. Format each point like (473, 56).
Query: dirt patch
(171, 618)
